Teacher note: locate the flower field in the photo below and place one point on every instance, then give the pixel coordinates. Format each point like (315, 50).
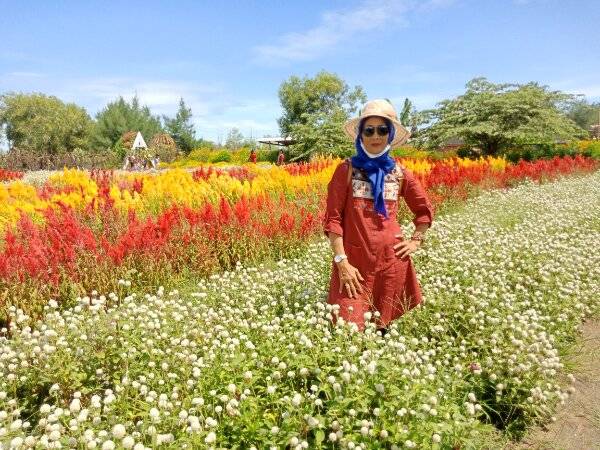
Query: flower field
(8, 175)
(249, 358)
(68, 233)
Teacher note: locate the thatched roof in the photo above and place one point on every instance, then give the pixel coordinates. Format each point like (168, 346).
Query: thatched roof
(127, 138)
(162, 140)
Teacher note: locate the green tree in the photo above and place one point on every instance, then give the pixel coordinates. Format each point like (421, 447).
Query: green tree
(235, 139)
(326, 93)
(203, 143)
(119, 117)
(181, 128)
(411, 118)
(44, 124)
(407, 110)
(320, 134)
(314, 110)
(495, 116)
(583, 113)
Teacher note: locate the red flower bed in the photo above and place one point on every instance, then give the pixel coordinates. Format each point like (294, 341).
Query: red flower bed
(308, 168)
(204, 173)
(8, 175)
(90, 250)
(547, 168)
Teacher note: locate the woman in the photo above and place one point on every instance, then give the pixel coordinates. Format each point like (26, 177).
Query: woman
(372, 268)
(253, 156)
(280, 158)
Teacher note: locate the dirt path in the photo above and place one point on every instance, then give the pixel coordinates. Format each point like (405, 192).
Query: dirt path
(577, 423)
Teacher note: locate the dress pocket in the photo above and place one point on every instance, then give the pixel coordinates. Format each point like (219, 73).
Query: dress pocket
(360, 257)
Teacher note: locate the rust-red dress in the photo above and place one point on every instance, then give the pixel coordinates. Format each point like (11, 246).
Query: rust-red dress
(390, 285)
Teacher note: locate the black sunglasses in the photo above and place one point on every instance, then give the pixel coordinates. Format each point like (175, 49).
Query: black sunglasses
(382, 130)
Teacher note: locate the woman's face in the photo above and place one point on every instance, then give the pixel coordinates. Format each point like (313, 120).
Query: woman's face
(374, 143)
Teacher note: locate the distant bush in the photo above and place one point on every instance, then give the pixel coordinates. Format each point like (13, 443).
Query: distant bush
(408, 151)
(270, 155)
(222, 156)
(239, 156)
(121, 148)
(200, 154)
(468, 152)
(589, 148)
(541, 151)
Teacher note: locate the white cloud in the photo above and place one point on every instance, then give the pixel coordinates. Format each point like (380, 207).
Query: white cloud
(215, 109)
(161, 96)
(592, 90)
(586, 85)
(337, 27)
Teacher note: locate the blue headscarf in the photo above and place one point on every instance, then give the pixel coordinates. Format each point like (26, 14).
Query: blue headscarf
(376, 168)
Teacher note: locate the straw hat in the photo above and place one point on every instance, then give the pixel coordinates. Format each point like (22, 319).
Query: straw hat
(382, 108)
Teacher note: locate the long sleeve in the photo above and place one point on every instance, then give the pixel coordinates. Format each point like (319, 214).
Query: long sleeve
(337, 190)
(416, 199)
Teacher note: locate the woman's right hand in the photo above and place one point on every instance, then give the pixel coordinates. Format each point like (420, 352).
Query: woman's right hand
(350, 278)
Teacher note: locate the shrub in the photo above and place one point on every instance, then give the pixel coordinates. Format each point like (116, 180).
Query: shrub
(269, 155)
(222, 156)
(240, 155)
(200, 154)
(468, 152)
(589, 148)
(121, 148)
(542, 151)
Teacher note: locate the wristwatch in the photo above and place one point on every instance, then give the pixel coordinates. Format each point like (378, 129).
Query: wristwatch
(339, 258)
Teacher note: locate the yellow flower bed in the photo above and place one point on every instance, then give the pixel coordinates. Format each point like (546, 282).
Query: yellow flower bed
(18, 198)
(149, 193)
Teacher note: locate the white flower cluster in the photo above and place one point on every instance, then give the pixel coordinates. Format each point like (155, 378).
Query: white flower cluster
(38, 177)
(250, 357)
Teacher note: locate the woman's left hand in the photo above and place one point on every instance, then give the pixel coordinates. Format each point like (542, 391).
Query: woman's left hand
(405, 248)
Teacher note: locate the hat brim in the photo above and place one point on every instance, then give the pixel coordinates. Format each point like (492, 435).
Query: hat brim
(401, 134)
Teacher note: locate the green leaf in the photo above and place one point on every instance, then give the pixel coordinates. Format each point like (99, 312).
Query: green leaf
(319, 436)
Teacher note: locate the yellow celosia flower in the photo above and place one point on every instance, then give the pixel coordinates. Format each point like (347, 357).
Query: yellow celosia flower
(151, 193)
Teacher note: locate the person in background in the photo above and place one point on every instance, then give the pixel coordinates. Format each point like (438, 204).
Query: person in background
(372, 269)
(280, 158)
(129, 163)
(253, 156)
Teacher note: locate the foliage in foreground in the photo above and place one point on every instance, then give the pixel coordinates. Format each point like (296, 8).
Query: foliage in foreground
(250, 359)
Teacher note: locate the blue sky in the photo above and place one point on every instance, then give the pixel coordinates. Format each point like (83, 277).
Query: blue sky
(227, 59)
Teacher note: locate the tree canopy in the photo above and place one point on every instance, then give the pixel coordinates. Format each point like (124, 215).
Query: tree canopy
(495, 116)
(314, 110)
(44, 124)
(235, 139)
(407, 109)
(320, 134)
(583, 113)
(326, 93)
(181, 128)
(411, 118)
(119, 117)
